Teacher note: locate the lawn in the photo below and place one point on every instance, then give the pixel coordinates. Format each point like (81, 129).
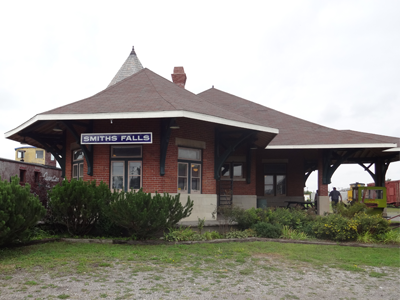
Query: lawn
(71, 258)
(251, 270)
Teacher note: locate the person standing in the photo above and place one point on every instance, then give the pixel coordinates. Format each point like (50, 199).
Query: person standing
(335, 195)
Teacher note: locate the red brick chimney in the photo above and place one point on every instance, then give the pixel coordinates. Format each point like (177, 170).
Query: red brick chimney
(179, 77)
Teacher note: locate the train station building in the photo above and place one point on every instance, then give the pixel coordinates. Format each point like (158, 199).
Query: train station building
(145, 131)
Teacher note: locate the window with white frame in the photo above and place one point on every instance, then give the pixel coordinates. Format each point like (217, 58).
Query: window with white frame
(189, 170)
(275, 180)
(21, 154)
(77, 164)
(126, 167)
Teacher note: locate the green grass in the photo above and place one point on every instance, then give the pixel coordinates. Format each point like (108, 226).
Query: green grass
(393, 211)
(74, 258)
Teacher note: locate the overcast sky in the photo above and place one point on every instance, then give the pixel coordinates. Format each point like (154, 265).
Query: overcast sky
(335, 63)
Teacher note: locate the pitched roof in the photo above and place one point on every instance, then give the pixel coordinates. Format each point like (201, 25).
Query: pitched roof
(293, 132)
(131, 66)
(146, 94)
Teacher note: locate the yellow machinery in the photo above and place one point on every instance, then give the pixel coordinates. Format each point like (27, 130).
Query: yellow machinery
(372, 196)
(350, 192)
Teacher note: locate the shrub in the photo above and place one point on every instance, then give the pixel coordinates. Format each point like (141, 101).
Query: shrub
(349, 211)
(19, 210)
(247, 218)
(373, 224)
(391, 237)
(335, 227)
(212, 235)
(294, 217)
(181, 234)
(293, 234)
(143, 215)
(77, 204)
(236, 234)
(267, 230)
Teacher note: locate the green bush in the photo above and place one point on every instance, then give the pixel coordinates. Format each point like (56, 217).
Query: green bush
(349, 211)
(267, 230)
(182, 234)
(294, 218)
(335, 227)
(143, 215)
(247, 218)
(293, 234)
(78, 204)
(373, 224)
(19, 210)
(236, 234)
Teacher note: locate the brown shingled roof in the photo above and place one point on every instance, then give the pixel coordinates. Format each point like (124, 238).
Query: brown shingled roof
(146, 91)
(292, 131)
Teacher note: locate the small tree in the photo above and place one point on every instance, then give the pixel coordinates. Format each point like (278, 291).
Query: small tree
(143, 215)
(19, 210)
(77, 204)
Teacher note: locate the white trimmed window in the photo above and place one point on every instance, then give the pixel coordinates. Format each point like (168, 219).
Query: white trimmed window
(126, 167)
(21, 154)
(189, 170)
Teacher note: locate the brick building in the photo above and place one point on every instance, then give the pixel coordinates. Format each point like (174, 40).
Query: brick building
(28, 172)
(144, 131)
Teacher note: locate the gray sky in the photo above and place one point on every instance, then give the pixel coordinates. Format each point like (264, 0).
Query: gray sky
(335, 63)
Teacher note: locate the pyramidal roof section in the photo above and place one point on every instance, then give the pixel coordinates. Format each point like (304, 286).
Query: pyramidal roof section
(293, 132)
(131, 66)
(146, 94)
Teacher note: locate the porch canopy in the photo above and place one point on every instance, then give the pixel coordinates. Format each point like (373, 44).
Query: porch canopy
(334, 147)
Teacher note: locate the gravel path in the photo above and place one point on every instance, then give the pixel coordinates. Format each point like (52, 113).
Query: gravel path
(265, 277)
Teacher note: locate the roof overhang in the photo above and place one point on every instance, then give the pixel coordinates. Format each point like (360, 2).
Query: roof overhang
(334, 146)
(397, 149)
(141, 115)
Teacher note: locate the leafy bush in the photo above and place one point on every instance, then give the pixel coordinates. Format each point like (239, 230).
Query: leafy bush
(77, 204)
(247, 218)
(294, 218)
(293, 234)
(19, 210)
(181, 234)
(212, 235)
(391, 237)
(267, 230)
(335, 227)
(236, 234)
(143, 215)
(374, 224)
(349, 211)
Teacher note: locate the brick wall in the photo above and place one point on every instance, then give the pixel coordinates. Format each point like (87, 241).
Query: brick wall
(151, 180)
(295, 170)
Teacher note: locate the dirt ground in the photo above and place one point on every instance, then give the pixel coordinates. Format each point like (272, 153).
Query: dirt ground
(268, 278)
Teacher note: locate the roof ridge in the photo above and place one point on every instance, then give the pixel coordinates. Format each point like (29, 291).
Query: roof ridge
(155, 88)
(197, 96)
(88, 98)
(277, 111)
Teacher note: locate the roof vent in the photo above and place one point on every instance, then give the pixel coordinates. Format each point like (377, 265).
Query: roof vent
(179, 77)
